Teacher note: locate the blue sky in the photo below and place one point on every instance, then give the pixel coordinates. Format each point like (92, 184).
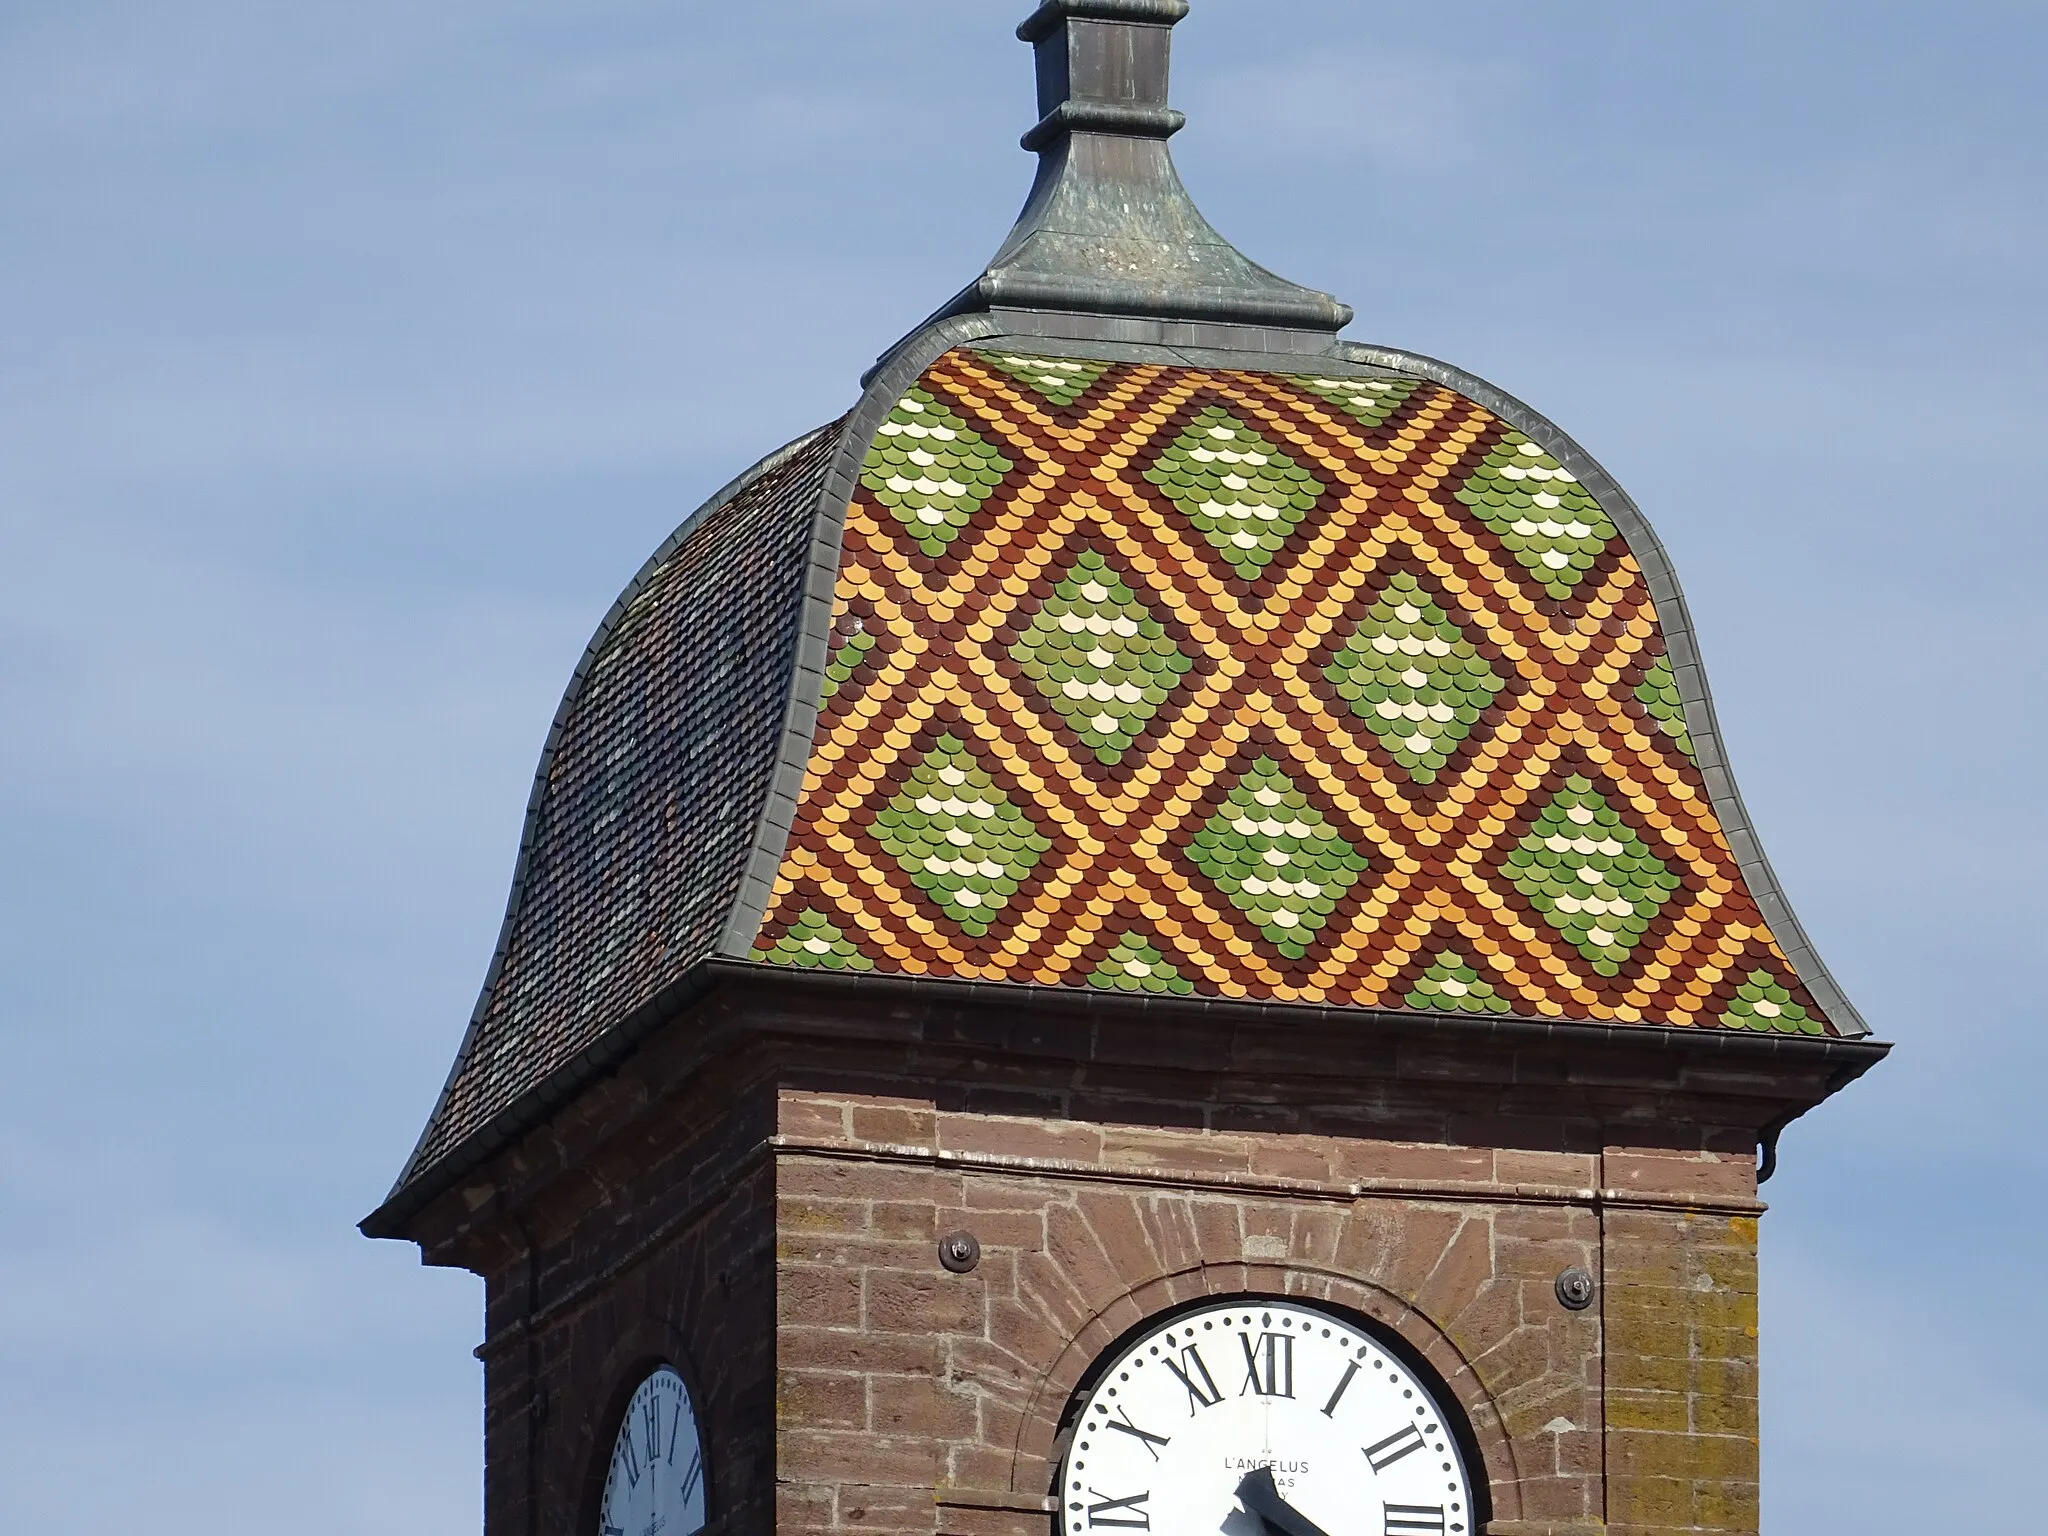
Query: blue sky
(356, 354)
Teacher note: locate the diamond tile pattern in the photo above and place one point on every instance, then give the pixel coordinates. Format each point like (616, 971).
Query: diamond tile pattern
(1411, 675)
(815, 944)
(851, 644)
(1062, 380)
(1421, 875)
(1658, 694)
(1761, 1003)
(1282, 863)
(931, 469)
(1453, 986)
(958, 836)
(1244, 494)
(1371, 401)
(1099, 657)
(1540, 512)
(1593, 879)
(1134, 965)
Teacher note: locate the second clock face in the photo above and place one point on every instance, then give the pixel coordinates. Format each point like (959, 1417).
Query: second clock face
(1354, 1444)
(656, 1483)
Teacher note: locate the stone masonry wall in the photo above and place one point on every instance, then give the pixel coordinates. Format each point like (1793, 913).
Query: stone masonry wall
(911, 1400)
(661, 1253)
(1682, 1371)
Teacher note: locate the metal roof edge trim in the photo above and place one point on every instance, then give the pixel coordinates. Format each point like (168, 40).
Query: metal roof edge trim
(1762, 1043)
(410, 1196)
(881, 389)
(675, 541)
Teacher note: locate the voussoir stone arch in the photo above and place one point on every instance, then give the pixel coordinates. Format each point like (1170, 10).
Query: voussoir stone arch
(1113, 1259)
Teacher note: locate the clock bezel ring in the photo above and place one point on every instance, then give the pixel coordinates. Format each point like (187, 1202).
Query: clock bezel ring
(627, 1379)
(1455, 1415)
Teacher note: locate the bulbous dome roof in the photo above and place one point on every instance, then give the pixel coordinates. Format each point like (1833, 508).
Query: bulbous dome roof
(1134, 633)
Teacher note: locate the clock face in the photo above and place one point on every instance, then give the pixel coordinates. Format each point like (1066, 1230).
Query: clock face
(656, 1483)
(1262, 1418)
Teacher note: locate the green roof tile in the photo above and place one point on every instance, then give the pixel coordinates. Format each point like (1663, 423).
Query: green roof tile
(1062, 380)
(1371, 401)
(1277, 857)
(931, 470)
(1099, 657)
(1545, 518)
(958, 836)
(1135, 965)
(1453, 986)
(1240, 491)
(1411, 675)
(812, 942)
(1658, 693)
(852, 649)
(1593, 879)
(1762, 1003)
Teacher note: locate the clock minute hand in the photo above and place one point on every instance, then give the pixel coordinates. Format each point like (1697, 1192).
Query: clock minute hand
(1258, 1494)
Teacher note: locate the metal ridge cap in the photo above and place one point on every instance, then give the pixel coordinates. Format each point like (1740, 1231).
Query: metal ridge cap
(1306, 308)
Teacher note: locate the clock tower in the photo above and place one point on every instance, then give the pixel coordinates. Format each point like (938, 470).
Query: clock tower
(1148, 932)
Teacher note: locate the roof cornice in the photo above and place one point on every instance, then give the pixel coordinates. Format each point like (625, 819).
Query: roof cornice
(1767, 1079)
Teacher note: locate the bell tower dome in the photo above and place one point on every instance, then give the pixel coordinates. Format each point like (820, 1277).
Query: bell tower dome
(1149, 931)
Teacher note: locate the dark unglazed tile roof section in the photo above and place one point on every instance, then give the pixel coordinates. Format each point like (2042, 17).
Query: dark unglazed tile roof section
(650, 792)
(1199, 682)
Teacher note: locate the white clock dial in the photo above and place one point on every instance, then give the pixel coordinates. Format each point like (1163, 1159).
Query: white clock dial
(656, 1483)
(1336, 1435)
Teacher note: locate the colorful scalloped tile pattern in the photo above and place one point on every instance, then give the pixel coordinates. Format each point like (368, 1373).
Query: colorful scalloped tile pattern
(1414, 677)
(1658, 693)
(1303, 688)
(1099, 657)
(931, 470)
(1062, 380)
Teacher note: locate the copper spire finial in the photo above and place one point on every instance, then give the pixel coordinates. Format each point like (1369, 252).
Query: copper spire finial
(1108, 228)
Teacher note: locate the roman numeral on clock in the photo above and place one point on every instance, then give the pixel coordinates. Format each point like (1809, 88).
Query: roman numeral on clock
(1123, 1425)
(694, 1476)
(1268, 1365)
(1194, 1375)
(1409, 1519)
(1390, 1450)
(1343, 1383)
(1126, 1512)
(650, 1418)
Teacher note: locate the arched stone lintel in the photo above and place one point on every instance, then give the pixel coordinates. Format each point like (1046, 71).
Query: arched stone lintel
(1031, 1469)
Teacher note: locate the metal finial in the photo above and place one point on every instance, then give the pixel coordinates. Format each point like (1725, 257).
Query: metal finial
(1108, 228)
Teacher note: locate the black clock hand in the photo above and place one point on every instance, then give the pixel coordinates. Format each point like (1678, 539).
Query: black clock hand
(1258, 1494)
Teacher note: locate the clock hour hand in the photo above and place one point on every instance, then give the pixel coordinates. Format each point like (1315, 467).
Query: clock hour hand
(1258, 1494)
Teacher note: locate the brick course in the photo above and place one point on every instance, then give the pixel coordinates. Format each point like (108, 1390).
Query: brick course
(757, 1197)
